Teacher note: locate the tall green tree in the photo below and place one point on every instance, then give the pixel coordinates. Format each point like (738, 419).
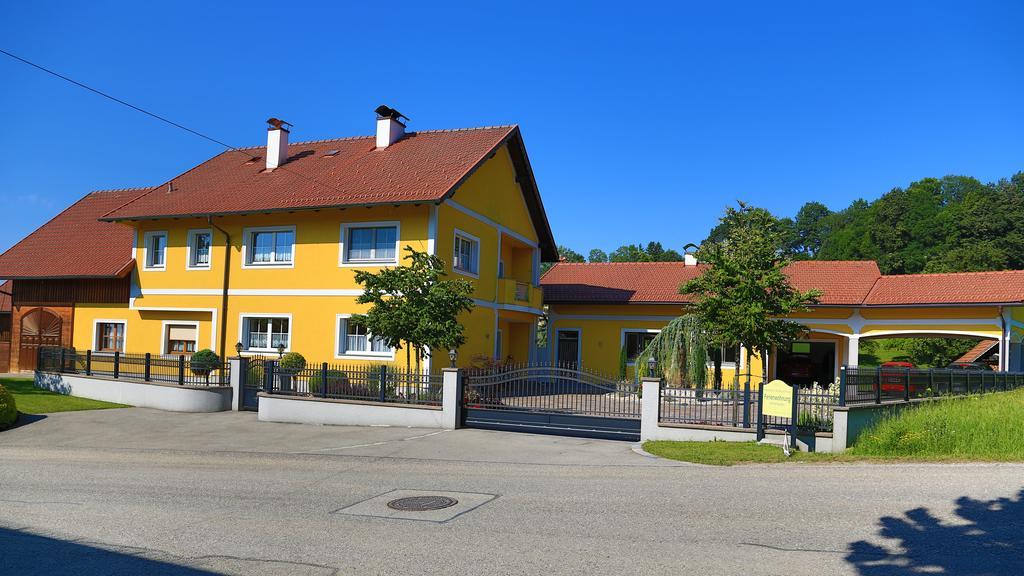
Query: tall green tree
(597, 255)
(414, 306)
(744, 295)
(811, 228)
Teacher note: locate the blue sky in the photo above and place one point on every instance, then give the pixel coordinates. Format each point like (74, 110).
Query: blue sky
(642, 120)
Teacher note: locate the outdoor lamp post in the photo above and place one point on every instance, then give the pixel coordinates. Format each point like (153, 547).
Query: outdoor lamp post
(280, 350)
(651, 365)
(452, 355)
(238, 348)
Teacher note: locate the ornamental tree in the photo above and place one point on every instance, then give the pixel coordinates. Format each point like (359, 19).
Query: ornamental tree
(743, 294)
(413, 306)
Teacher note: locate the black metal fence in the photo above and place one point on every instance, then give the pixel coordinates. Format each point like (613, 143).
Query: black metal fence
(146, 367)
(375, 383)
(739, 407)
(863, 385)
(551, 388)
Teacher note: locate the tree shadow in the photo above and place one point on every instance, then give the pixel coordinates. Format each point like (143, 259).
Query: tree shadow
(988, 539)
(26, 419)
(25, 553)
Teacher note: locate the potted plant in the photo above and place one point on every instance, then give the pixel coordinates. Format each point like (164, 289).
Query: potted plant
(290, 365)
(203, 362)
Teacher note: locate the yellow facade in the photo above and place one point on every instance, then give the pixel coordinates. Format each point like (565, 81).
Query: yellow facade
(316, 290)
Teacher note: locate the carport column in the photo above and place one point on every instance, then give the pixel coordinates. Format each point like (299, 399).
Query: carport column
(649, 408)
(852, 350)
(451, 398)
(239, 367)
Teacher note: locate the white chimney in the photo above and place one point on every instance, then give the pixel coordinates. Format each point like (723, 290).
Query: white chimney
(277, 143)
(389, 126)
(689, 259)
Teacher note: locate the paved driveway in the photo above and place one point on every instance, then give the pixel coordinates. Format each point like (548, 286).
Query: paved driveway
(140, 491)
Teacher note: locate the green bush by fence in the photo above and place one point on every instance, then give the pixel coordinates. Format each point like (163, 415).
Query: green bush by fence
(8, 409)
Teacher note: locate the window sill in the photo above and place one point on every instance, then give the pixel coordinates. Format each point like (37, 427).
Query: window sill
(366, 356)
(154, 268)
(269, 265)
(365, 263)
(198, 268)
(466, 273)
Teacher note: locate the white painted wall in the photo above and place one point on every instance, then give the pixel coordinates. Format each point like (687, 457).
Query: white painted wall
(301, 410)
(168, 397)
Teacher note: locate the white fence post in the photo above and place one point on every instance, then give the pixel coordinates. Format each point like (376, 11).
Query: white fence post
(237, 369)
(451, 399)
(649, 404)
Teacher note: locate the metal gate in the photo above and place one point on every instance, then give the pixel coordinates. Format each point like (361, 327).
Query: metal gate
(252, 381)
(551, 399)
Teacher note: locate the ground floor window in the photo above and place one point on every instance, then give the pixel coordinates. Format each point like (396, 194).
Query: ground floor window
(110, 336)
(266, 334)
(635, 341)
(727, 355)
(356, 340)
(181, 338)
(804, 363)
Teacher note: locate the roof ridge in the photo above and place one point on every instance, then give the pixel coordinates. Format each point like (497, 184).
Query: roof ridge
(933, 274)
(370, 136)
(131, 189)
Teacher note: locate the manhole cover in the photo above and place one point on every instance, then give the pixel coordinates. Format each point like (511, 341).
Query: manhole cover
(422, 503)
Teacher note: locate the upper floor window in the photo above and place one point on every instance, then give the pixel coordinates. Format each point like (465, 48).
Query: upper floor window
(199, 244)
(466, 254)
(156, 250)
(270, 246)
(636, 341)
(266, 333)
(109, 336)
(369, 242)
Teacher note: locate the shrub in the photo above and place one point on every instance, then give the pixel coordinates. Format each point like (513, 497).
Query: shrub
(8, 410)
(292, 361)
(336, 380)
(203, 362)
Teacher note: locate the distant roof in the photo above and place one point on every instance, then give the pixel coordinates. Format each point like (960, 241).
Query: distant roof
(5, 297)
(423, 166)
(842, 282)
(979, 351)
(75, 243)
(953, 288)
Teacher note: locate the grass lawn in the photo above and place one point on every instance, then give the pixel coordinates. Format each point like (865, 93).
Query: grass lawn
(974, 428)
(32, 400)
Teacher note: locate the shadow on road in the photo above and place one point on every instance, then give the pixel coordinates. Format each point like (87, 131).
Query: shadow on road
(987, 539)
(26, 419)
(25, 553)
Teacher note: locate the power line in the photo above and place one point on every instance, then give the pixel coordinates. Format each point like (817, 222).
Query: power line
(154, 115)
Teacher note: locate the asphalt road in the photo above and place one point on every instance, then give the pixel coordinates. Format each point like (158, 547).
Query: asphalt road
(139, 491)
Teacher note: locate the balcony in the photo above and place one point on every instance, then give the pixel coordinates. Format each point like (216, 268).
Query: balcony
(519, 293)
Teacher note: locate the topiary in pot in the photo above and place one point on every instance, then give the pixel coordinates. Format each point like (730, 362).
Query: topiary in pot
(8, 410)
(203, 362)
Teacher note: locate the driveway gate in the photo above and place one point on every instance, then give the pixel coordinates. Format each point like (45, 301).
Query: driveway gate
(552, 399)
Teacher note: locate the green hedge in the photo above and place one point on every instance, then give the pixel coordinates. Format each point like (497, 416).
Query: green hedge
(8, 410)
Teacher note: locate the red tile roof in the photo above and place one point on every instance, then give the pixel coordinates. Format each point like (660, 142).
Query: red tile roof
(979, 350)
(951, 288)
(843, 282)
(423, 166)
(75, 243)
(5, 297)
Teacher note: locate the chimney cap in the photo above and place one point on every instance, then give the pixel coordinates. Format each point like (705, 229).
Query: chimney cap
(389, 112)
(278, 124)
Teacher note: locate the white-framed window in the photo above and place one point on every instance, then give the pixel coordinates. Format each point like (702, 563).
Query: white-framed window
(635, 341)
(355, 340)
(466, 254)
(180, 337)
(155, 244)
(271, 246)
(729, 356)
(200, 247)
(266, 332)
(369, 243)
(109, 335)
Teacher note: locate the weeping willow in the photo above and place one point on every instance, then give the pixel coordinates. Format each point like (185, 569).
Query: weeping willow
(681, 352)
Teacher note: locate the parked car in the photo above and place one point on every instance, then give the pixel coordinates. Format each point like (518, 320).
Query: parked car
(969, 366)
(894, 375)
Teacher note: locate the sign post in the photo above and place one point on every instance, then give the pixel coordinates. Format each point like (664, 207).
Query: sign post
(779, 399)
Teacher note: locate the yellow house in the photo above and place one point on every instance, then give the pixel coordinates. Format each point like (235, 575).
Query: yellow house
(257, 248)
(600, 311)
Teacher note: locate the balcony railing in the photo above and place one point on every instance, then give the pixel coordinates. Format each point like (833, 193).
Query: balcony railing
(512, 291)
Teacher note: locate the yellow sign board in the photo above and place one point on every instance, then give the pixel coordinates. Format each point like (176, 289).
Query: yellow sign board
(777, 399)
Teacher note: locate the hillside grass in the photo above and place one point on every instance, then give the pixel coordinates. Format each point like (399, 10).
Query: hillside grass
(32, 400)
(988, 428)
